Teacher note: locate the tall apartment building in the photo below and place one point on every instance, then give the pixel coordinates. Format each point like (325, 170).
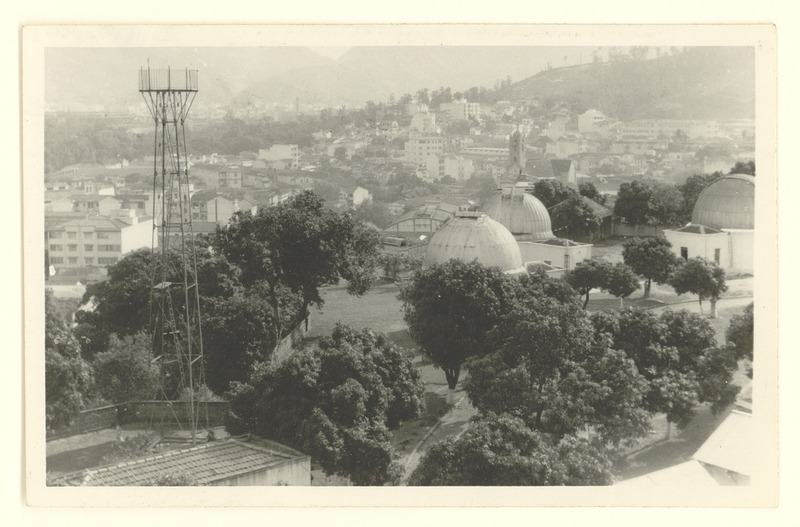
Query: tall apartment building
(417, 149)
(96, 241)
(461, 110)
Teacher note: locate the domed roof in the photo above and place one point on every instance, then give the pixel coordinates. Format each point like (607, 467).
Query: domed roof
(473, 235)
(521, 213)
(728, 203)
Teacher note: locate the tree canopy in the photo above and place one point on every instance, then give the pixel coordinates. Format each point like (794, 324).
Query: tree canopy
(502, 450)
(650, 258)
(589, 274)
(451, 308)
(574, 218)
(702, 278)
(334, 402)
(68, 377)
(740, 333)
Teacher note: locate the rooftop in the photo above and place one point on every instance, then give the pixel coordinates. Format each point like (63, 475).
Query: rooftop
(213, 461)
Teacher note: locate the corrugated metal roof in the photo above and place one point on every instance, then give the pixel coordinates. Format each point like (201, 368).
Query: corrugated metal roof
(731, 445)
(205, 463)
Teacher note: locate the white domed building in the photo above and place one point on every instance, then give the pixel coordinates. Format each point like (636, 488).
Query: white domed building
(474, 236)
(521, 213)
(722, 225)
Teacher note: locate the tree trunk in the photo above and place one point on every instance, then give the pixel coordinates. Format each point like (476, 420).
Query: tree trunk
(621, 302)
(451, 374)
(451, 396)
(701, 306)
(647, 288)
(713, 302)
(586, 300)
(669, 431)
(276, 314)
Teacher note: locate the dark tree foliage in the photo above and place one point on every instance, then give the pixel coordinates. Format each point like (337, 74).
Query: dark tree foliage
(335, 403)
(300, 245)
(673, 352)
(740, 333)
(551, 372)
(588, 190)
(574, 218)
(702, 278)
(665, 205)
(551, 192)
(500, 450)
(68, 377)
(744, 167)
(126, 372)
(650, 258)
(588, 275)
(450, 310)
(121, 304)
(633, 203)
(621, 282)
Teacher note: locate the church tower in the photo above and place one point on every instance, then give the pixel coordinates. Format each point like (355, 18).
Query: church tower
(515, 170)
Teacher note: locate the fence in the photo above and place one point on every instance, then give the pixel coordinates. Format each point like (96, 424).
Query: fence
(625, 230)
(141, 412)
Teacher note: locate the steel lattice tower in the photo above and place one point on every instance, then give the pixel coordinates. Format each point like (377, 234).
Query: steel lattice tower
(176, 329)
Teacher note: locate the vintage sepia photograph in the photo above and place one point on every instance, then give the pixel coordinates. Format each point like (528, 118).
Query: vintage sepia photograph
(537, 263)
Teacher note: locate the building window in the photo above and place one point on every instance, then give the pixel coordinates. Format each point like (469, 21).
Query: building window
(88, 247)
(72, 235)
(685, 253)
(716, 256)
(72, 247)
(56, 247)
(56, 234)
(106, 261)
(73, 261)
(108, 248)
(88, 234)
(102, 235)
(56, 260)
(88, 261)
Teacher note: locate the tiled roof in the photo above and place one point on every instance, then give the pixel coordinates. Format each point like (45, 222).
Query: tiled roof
(205, 464)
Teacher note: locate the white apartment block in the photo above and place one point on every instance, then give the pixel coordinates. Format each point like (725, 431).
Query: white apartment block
(281, 152)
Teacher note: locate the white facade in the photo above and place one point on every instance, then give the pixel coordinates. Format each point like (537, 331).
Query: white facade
(281, 152)
(558, 255)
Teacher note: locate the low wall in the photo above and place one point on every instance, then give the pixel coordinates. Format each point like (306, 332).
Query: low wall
(291, 342)
(87, 421)
(646, 231)
(141, 412)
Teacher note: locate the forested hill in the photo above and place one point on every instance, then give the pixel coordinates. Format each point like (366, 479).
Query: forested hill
(700, 83)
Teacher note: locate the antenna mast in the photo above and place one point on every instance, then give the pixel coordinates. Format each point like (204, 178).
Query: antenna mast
(176, 330)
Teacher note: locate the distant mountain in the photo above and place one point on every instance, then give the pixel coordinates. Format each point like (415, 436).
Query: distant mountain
(280, 74)
(700, 83)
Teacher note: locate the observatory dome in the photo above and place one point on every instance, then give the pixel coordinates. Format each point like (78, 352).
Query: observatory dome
(521, 213)
(728, 203)
(474, 235)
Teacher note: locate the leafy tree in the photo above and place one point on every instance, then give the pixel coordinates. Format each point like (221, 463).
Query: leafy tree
(740, 333)
(374, 212)
(575, 218)
(551, 192)
(127, 372)
(633, 203)
(621, 282)
(744, 167)
(650, 258)
(589, 190)
(665, 205)
(340, 153)
(551, 372)
(335, 403)
(299, 245)
(673, 353)
(502, 450)
(588, 275)
(121, 304)
(702, 278)
(68, 377)
(450, 309)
